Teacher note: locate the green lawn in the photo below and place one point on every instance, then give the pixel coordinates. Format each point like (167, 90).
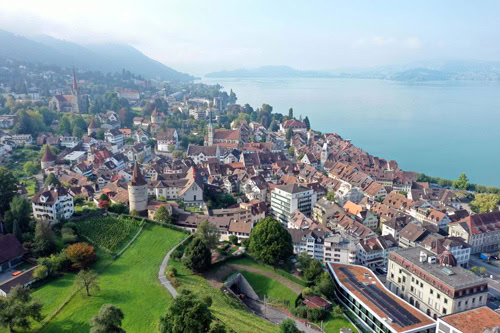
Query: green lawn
(333, 325)
(251, 263)
(224, 307)
(130, 282)
(271, 288)
(30, 185)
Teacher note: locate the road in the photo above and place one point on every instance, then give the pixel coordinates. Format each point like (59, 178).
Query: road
(493, 281)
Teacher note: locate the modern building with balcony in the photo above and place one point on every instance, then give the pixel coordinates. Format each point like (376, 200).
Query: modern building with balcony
(288, 198)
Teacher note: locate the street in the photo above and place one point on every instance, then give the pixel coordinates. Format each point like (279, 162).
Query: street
(493, 283)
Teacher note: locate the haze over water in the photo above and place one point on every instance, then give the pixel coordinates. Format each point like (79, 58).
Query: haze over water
(439, 128)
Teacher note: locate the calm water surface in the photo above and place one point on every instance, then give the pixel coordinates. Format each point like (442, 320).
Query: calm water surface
(439, 128)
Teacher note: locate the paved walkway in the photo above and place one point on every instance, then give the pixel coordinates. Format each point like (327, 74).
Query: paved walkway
(161, 274)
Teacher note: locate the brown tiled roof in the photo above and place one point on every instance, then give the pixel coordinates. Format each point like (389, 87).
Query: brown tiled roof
(225, 134)
(10, 248)
(48, 156)
(481, 223)
(473, 321)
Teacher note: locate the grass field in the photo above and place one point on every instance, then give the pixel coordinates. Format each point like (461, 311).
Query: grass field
(333, 325)
(271, 288)
(224, 307)
(109, 232)
(130, 282)
(285, 274)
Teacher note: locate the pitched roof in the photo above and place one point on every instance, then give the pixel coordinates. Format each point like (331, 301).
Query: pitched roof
(475, 320)
(10, 248)
(479, 223)
(93, 124)
(137, 179)
(293, 188)
(48, 156)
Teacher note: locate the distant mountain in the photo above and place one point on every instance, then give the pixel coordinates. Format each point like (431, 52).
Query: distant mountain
(269, 72)
(99, 57)
(421, 71)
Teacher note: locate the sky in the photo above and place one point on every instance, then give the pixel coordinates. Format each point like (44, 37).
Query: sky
(203, 36)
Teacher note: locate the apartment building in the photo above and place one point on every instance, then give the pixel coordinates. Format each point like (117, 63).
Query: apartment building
(52, 204)
(480, 231)
(433, 284)
(286, 199)
(324, 211)
(481, 319)
(339, 249)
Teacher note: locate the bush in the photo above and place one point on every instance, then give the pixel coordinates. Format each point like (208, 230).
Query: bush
(171, 272)
(233, 239)
(177, 254)
(315, 314)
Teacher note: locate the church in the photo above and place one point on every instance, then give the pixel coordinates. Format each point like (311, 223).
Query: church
(76, 102)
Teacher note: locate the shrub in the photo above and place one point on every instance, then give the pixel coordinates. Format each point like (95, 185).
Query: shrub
(171, 272)
(233, 239)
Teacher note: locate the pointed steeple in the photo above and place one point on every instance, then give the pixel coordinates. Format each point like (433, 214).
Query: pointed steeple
(48, 156)
(75, 87)
(137, 179)
(93, 124)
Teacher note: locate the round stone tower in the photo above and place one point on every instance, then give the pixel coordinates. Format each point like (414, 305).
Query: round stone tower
(93, 127)
(48, 158)
(138, 192)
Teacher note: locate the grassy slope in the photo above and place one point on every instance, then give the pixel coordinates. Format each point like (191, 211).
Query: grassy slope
(224, 307)
(285, 274)
(131, 283)
(269, 287)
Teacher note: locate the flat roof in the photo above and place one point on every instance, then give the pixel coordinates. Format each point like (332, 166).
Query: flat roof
(454, 276)
(74, 155)
(367, 288)
(475, 320)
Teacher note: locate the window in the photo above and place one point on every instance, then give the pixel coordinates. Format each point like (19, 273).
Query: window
(432, 291)
(438, 296)
(445, 301)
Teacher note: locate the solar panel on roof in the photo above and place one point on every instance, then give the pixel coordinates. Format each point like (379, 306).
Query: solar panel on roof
(381, 300)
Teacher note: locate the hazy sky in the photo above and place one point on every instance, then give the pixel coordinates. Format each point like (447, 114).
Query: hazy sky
(203, 36)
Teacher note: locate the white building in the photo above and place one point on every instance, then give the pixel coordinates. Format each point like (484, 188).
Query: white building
(114, 136)
(52, 203)
(288, 198)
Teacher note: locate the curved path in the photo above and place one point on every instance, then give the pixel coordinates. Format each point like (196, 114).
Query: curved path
(161, 274)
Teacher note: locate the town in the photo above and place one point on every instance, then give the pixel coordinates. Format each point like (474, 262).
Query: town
(145, 198)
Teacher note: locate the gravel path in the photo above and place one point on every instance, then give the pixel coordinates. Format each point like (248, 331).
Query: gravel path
(161, 274)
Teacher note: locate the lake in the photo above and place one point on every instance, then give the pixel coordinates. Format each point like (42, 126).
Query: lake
(439, 128)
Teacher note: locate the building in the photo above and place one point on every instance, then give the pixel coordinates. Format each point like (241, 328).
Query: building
(93, 127)
(480, 231)
(340, 250)
(374, 305)
(167, 140)
(114, 136)
(286, 199)
(129, 94)
(324, 211)
(374, 252)
(138, 192)
(480, 320)
(11, 252)
(76, 102)
(433, 284)
(294, 125)
(52, 204)
(308, 241)
(48, 158)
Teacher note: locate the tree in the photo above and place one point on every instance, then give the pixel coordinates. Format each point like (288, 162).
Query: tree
(41, 272)
(77, 132)
(186, 314)
(288, 326)
(198, 256)
(19, 309)
(217, 327)
(52, 180)
(461, 182)
(30, 168)
(108, 320)
(330, 196)
(290, 113)
(64, 126)
(233, 239)
(163, 216)
(208, 233)
(81, 255)
(304, 260)
(313, 271)
(485, 203)
(177, 154)
(87, 280)
(475, 269)
(289, 134)
(326, 286)
(17, 218)
(45, 242)
(232, 97)
(8, 188)
(99, 135)
(483, 270)
(307, 123)
(104, 197)
(291, 151)
(270, 242)
(338, 312)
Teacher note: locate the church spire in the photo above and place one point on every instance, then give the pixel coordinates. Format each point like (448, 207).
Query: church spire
(75, 87)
